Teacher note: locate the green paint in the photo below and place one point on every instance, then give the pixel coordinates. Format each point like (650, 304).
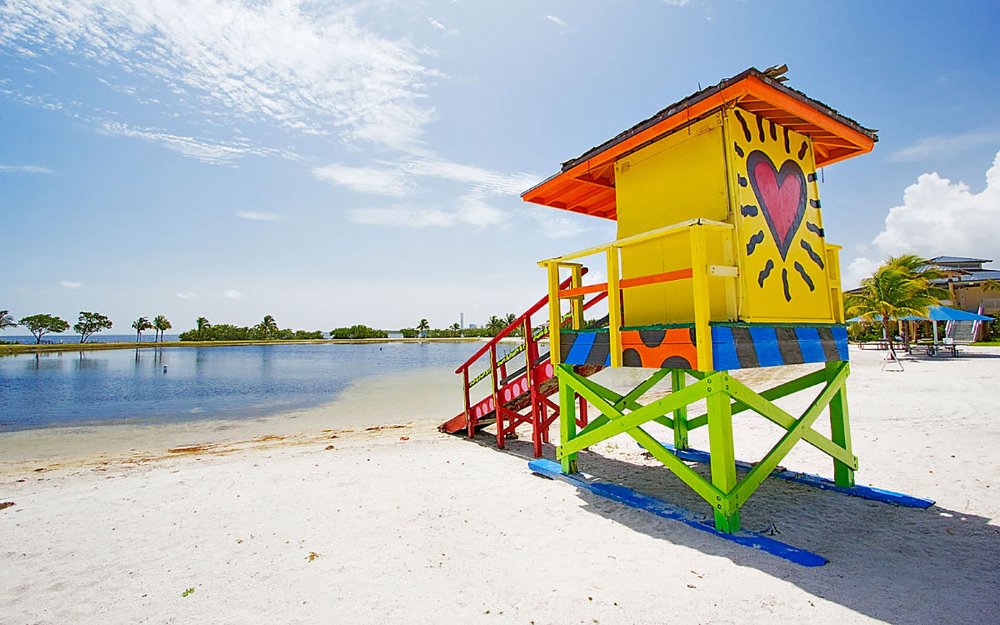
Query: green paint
(724, 396)
(678, 380)
(567, 416)
(720, 444)
(840, 429)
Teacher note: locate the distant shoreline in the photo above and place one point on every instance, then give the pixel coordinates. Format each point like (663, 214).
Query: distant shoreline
(35, 348)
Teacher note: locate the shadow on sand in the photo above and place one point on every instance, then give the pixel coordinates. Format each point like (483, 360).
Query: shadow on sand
(900, 565)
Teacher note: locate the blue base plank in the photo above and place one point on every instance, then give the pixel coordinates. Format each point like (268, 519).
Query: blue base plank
(865, 492)
(635, 499)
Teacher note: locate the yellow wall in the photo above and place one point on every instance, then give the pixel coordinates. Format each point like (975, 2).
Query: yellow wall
(734, 168)
(786, 173)
(677, 178)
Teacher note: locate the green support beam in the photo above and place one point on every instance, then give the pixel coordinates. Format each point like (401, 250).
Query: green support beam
(725, 396)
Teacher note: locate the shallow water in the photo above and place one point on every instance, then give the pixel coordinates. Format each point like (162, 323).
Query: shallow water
(181, 384)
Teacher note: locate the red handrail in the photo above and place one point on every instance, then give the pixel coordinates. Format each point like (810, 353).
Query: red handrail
(511, 327)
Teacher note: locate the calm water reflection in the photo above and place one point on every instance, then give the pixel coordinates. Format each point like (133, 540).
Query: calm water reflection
(171, 384)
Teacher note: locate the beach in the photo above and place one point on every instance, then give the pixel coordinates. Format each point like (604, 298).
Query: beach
(361, 512)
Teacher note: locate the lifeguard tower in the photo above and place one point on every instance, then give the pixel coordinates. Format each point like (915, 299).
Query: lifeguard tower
(721, 262)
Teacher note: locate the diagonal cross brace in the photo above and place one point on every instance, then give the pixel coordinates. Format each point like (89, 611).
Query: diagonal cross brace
(795, 432)
(619, 422)
(759, 403)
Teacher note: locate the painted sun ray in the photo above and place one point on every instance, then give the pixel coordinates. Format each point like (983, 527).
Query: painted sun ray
(754, 241)
(748, 210)
(813, 256)
(765, 272)
(805, 276)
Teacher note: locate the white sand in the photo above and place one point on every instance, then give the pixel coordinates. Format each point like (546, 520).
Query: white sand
(437, 529)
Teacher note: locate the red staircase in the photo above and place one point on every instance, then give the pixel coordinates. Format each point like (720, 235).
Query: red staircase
(522, 395)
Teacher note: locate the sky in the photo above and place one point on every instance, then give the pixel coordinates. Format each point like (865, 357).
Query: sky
(333, 163)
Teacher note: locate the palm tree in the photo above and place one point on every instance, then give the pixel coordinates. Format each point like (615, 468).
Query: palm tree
(901, 287)
(139, 325)
(423, 327)
(201, 324)
(495, 325)
(162, 325)
(267, 327)
(6, 321)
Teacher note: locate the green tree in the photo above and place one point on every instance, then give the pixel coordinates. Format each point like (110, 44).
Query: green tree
(40, 325)
(90, 323)
(423, 327)
(901, 287)
(6, 321)
(495, 325)
(161, 324)
(267, 328)
(140, 325)
(201, 325)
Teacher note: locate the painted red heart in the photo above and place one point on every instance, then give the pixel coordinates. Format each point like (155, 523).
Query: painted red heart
(781, 195)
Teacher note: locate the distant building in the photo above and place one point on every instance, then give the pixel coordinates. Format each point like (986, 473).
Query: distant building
(966, 278)
(473, 326)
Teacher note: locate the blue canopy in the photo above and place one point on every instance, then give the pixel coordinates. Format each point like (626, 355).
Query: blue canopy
(936, 313)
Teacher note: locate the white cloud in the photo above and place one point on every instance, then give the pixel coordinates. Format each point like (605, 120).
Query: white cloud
(676, 3)
(942, 146)
(24, 169)
(303, 66)
(400, 179)
(469, 209)
(373, 180)
(555, 19)
(208, 152)
(939, 217)
(440, 26)
(255, 216)
(232, 294)
(859, 269)
(187, 295)
(70, 284)
(403, 216)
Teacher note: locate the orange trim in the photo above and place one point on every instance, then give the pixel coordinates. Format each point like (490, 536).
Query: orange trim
(583, 290)
(564, 182)
(655, 278)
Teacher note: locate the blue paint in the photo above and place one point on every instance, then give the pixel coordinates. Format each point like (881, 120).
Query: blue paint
(840, 337)
(765, 342)
(810, 344)
(816, 481)
(724, 355)
(581, 348)
(660, 508)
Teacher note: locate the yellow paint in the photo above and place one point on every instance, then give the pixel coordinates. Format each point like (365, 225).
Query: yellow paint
(677, 178)
(701, 172)
(764, 299)
(614, 307)
(555, 314)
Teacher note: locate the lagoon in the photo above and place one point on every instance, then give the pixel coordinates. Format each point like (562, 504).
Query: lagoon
(172, 384)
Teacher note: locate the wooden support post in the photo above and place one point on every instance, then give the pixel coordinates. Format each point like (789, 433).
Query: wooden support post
(531, 355)
(677, 382)
(723, 453)
(702, 303)
(582, 419)
(470, 425)
(576, 281)
(567, 416)
(496, 396)
(555, 314)
(614, 308)
(840, 426)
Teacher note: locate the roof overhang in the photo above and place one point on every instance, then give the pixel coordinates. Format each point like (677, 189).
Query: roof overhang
(586, 184)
